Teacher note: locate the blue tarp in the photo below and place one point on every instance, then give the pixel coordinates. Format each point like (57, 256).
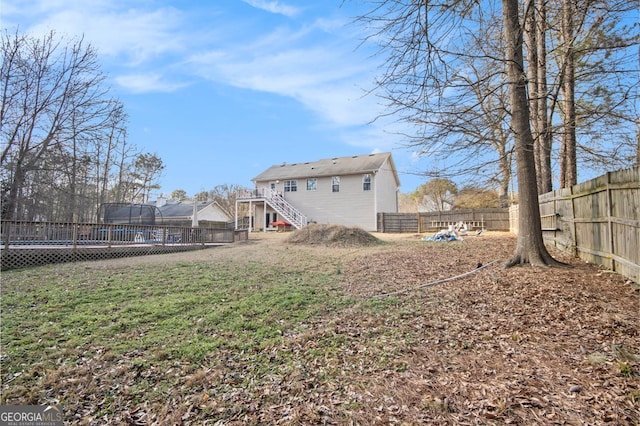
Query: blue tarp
(445, 236)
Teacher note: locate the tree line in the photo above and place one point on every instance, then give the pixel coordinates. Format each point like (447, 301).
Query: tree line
(445, 76)
(480, 82)
(64, 138)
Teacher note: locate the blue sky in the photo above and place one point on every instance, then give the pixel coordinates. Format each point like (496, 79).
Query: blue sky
(221, 90)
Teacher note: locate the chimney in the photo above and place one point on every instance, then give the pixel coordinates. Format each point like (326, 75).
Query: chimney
(161, 201)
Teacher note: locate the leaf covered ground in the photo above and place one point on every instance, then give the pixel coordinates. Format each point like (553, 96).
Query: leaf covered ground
(276, 331)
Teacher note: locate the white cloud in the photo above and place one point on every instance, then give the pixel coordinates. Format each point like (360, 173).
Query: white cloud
(326, 76)
(136, 35)
(317, 63)
(150, 82)
(139, 40)
(274, 7)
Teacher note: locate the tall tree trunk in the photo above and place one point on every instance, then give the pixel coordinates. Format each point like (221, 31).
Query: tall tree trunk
(535, 33)
(72, 197)
(505, 180)
(14, 192)
(104, 179)
(568, 162)
(530, 247)
(545, 140)
(530, 38)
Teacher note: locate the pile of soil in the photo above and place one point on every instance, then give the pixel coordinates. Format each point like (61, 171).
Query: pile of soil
(333, 236)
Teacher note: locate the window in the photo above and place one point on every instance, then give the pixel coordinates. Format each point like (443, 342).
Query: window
(366, 182)
(335, 184)
(290, 185)
(312, 184)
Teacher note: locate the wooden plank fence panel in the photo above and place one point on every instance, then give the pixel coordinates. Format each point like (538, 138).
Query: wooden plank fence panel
(489, 219)
(597, 220)
(398, 222)
(565, 235)
(625, 229)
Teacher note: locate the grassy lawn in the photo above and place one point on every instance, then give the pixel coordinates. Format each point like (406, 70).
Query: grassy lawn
(183, 312)
(235, 336)
(99, 340)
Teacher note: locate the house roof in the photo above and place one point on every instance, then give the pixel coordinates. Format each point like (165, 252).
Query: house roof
(338, 166)
(184, 210)
(178, 210)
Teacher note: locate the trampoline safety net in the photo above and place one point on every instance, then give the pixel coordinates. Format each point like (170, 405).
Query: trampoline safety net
(131, 214)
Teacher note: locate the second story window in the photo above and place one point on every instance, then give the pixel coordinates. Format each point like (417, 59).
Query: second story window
(312, 184)
(290, 185)
(335, 184)
(366, 182)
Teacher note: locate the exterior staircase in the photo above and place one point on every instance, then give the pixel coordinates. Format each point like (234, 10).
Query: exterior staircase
(285, 209)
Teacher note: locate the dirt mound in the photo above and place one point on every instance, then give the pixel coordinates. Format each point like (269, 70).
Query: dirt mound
(333, 235)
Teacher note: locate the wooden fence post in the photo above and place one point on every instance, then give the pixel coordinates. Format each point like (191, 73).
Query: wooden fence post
(610, 222)
(574, 227)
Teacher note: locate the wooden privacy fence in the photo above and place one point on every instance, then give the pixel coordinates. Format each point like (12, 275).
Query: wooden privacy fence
(489, 219)
(597, 221)
(36, 243)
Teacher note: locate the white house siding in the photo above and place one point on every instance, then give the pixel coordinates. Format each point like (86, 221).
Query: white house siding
(213, 213)
(386, 190)
(350, 207)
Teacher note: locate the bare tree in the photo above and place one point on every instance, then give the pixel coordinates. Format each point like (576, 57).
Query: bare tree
(470, 135)
(407, 203)
(595, 86)
(52, 94)
(225, 195)
(530, 247)
(443, 80)
(64, 141)
(568, 161)
(124, 188)
(427, 51)
(535, 38)
(105, 152)
(606, 84)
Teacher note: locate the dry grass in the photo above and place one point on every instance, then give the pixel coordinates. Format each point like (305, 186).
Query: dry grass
(516, 346)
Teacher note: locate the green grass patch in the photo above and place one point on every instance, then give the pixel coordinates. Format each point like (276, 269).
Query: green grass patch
(187, 312)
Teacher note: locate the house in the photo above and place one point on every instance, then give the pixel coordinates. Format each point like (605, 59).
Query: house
(182, 212)
(348, 191)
